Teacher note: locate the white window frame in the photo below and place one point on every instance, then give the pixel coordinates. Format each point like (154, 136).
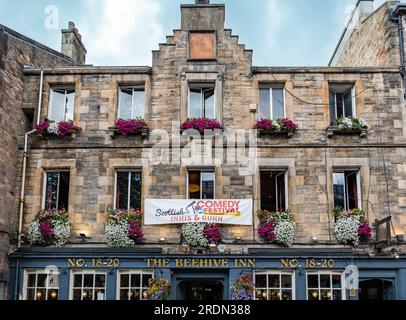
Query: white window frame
(329, 272)
(47, 289)
(133, 88)
(280, 273)
(353, 100)
(50, 105)
(129, 171)
(93, 272)
(271, 88)
(201, 171)
(131, 272)
(44, 186)
(286, 173)
(202, 87)
(358, 177)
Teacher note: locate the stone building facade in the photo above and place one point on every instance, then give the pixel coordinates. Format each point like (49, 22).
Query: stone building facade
(309, 158)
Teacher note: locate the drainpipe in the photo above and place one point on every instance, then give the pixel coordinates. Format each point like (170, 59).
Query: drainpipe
(27, 135)
(397, 18)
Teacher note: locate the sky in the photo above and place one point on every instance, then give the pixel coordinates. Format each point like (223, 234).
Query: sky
(123, 32)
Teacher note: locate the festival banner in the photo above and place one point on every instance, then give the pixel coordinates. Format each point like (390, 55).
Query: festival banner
(232, 212)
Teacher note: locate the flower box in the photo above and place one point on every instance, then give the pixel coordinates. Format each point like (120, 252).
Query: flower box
(125, 128)
(351, 227)
(201, 235)
(201, 124)
(276, 227)
(49, 227)
(348, 126)
(49, 129)
(280, 127)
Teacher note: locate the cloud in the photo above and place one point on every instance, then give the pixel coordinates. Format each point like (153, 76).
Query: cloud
(121, 32)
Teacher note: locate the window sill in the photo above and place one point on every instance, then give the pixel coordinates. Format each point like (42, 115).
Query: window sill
(71, 135)
(331, 131)
(115, 133)
(282, 133)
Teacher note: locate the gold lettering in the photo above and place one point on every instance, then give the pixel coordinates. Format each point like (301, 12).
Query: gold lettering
(294, 263)
(71, 263)
(224, 263)
(285, 263)
(251, 263)
(195, 263)
(179, 263)
(204, 263)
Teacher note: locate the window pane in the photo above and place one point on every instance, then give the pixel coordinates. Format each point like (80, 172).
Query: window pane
(273, 197)
(124, 281)
(273, 281)
(122, 191)
(260, 281)
(88, 280)
(124, 294)
(278, 104)
(313, 281)
(312, 294)
(348, 103)
(286, 281)
(209, 103)
(264, 103)
(286, 295)
(207, 185)
(351, 188)
(195, 103)
(31, 294)
(41, 294)
(325, 294)
(336, 281)
(139, 103)
(135, 194)
(145, 279)
(126, 98)
(87, 294)
(135, 295)
(31, 280)
(281, 197)
(261, 294)
(99, 295)
(77, 294)
(274, 295)
(100, 281)
(337, 295)
(51, 192)
(53, 294)
(136, 281)
(69, 107)
(194, 185)
(41, 282)
(340, 109)
(325, 281)
(338, 188)
(63, 199)
(57, 105)
(332, 107)
(77, 280)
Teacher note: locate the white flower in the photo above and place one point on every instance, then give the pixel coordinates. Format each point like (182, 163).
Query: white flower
(346, 230)
(34, 233)
(193, 234)
(53, 128)
(277, 126)
(61, 230)
(348, 122)
(285, 232)
(117, 234)
(363, 123)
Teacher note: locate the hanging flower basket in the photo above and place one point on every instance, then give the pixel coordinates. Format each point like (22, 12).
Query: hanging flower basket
(50, 227)
(351, 227)
(201, 234)
(62, 129)
(243, 288)
(159, 289)
(131, 127)
(124, 228)
(276, 227)
(201, 124)
(284, 127)
(348, 126)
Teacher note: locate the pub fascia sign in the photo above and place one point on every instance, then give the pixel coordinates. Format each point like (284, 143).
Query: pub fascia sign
(232, 212)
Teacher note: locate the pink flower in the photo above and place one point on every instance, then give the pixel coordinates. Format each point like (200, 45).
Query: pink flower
(267, 232)
(127, 127)
(212, 234)
(65, 127)
(46, 229)
(42, 127)
(365, 230)
(201, 124)
(135, 232)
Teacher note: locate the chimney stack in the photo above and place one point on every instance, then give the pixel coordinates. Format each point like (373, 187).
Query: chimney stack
(72, 44)
(363, 9)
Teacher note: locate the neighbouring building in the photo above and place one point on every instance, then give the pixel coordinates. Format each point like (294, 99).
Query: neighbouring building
(313, 173)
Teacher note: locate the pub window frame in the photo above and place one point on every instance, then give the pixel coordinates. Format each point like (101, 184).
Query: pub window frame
(270, 88)
(341, 88)
(129, 171)
(134, 88)
(44, 188)
(51, 106)
(143, 287)
(286, 177)
(93, 272)
(48, 289)
(358, 185)
(213, 171)
(331, 288)
(202, 87)
(267, 273)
